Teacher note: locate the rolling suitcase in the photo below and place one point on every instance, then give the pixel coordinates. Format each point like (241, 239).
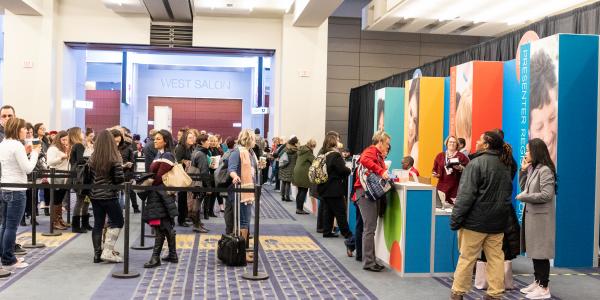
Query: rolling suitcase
(231, 249)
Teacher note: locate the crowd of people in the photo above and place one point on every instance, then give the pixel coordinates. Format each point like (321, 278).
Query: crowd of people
(478, 186)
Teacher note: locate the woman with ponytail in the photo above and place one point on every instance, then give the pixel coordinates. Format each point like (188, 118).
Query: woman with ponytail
(480, 215)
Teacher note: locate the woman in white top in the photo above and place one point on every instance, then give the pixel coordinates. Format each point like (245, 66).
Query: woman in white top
(58, 157)
(15, 167)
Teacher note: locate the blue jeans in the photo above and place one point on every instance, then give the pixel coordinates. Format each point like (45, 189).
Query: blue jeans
(245, 212)
(12, 210)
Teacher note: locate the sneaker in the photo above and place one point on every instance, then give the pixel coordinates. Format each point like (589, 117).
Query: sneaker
(19, 250)
(528, 289)
(19, 265)
(539, 293)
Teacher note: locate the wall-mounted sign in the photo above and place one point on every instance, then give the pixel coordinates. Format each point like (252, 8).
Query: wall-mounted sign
(181, 83)
(237, 125)
(260, 110)
(84, 104)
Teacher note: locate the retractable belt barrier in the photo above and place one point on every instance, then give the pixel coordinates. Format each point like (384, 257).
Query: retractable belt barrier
(54, 174)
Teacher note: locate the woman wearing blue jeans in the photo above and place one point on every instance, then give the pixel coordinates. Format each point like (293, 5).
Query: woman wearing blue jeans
(15, 167)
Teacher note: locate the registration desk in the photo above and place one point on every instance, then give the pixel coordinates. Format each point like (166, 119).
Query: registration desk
(413, 237)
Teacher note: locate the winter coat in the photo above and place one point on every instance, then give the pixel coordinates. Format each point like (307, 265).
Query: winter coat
(287, 173)
(372, 159)
(200, 161)
(159, 205)
(337, 174)
(484, 195)
(128, 155)
(305, 159)
(114, 177)
(511, 245)
(539, 229)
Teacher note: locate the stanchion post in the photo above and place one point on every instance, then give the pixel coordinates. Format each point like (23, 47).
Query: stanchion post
(255, 275)
(142, 245)
(34, 199)
(52, 213)
(126, 273)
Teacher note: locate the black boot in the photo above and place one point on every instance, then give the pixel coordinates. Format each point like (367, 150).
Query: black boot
(172, 242)
(46, 211)
(76, 225)
(97, 242)
(85, 222)
(23, 223)
(158, 244)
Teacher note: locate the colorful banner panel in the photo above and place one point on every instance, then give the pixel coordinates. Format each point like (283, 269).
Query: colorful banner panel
(558, 82)
(475, 100)
(424, 121)
(394, 123)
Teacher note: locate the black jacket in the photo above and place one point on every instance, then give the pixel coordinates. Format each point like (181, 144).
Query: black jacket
(149, 154)
(128, 155)
(337, 174)
(159, 205)
(114, 177)
(200, 160)
(484, 195)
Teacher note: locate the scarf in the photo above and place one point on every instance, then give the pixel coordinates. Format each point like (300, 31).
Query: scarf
(247, 175)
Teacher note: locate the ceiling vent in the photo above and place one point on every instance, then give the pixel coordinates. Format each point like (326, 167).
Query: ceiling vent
(171, 35)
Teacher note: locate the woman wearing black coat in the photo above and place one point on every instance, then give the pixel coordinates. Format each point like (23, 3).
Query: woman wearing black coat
(333, 191)
(161, 210)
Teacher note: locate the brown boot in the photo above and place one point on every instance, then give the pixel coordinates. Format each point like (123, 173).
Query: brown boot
(454, 296)
(56, 222)
(58, 211)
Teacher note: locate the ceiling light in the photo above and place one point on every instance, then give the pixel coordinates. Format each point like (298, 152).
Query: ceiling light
(548, 8)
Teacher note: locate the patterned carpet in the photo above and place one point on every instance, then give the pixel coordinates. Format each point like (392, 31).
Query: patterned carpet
(298, 266)
(36, 256)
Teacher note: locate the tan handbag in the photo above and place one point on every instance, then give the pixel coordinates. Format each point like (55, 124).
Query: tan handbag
(177, 177)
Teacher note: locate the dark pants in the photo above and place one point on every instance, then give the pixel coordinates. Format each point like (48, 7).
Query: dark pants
(320, 216)
(28, 206)
(59, 196)
(182, 207)
(286, 189)
(133, 199)
(541, 271)
(103, 208)
(300, 198)
(334, 207)
(358, 232)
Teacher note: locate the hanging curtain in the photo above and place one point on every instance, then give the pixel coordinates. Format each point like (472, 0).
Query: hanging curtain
(583, 20)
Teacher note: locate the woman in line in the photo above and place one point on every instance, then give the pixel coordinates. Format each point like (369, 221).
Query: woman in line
(183, 155)
(286, 171)
(90, 136)
(447, 167)
(107, 169)
(305, 159)
(58, 157)
(39, 130)
(215, 151)
(538, 185)
(81, 219)
(15, 167)
(242, 167)
(28, 207)
(127, 150)
(200, 158)
(161, 208)
(333, 192)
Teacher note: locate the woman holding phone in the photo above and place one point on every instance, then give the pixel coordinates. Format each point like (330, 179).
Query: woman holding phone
(538, 185)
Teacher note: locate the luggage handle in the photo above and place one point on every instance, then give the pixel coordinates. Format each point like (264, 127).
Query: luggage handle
(236, 212)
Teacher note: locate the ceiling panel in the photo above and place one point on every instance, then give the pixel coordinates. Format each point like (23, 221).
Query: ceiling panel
(157, 10)
(182, 10)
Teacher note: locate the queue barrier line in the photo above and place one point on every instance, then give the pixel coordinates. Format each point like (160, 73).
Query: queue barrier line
(53, 174)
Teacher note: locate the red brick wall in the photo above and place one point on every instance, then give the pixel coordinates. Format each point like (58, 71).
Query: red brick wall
(107, 109)
(212, 115)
